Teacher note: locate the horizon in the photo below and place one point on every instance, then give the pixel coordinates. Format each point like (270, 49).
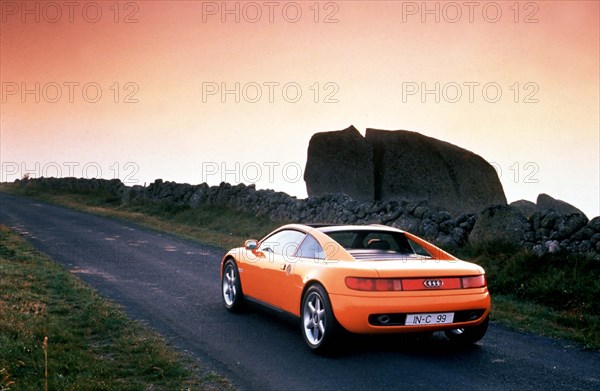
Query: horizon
(210, 92)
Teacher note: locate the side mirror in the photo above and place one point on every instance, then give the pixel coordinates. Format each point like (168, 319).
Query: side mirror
(251, 244)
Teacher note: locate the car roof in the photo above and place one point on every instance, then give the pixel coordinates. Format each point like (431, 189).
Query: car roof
(369, 227)
(321, 233)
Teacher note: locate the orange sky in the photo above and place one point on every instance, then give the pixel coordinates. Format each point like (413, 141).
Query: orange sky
(171, 59)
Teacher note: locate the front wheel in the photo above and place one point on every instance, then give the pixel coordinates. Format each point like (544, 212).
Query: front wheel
(319, 327)
(468, 335)
(231, 287)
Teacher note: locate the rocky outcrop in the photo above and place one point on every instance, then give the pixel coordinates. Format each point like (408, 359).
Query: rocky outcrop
(414, 167)
(340, 162)
(403, 166)
(546, 203)
(544, 232)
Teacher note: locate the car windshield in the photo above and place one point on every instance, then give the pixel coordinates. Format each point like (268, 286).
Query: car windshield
(364, 244)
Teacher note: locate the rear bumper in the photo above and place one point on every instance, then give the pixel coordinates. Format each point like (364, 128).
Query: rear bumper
(358, 314)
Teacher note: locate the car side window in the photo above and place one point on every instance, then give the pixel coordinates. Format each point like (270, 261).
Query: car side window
(284, 242)
(418, 249)
(310, 248)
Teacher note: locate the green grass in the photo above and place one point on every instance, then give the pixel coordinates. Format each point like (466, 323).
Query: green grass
(92, 345)
(526, 316)
(555, 295)
(214, 225)
(565, 282)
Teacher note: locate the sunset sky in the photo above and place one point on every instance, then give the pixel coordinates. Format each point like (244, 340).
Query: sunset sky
(201, 91)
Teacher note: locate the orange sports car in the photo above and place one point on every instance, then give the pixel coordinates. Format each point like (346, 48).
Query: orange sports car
(365, 279)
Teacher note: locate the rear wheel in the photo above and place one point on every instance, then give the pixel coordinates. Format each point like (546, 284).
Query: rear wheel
(319, 327)
(231, 287)
(468, 335)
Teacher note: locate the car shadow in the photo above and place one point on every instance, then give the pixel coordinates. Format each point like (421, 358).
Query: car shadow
(416, 345)
(423, 345)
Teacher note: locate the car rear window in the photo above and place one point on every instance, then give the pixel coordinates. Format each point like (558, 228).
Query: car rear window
(382, 241)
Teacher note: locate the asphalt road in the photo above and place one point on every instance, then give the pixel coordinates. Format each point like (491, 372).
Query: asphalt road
(173, 286)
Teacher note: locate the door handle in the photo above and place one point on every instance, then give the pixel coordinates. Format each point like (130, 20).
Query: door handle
(287, 268)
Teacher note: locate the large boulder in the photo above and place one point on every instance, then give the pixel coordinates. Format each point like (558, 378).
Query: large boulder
(503, 224)
(546, 202)
(411, 166)
(340, 162)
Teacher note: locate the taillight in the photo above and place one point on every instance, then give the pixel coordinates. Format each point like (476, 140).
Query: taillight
(414, 284)
(474, 281)
(374, 284)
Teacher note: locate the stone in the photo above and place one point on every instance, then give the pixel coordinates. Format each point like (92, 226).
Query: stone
(568, 225)
(463, 218)
(549, 220)
(198, 198)
(499, 224)
(553, 246)
(407, 223)
(467, 226)
(583, 234)
(421, 212)
(542, 233)
(441, 217)
(392, 215)
(594, 224)
(429, 229)
(585, 246)
(447, 226)
(340, 161)
(530, 236)
(446, 241)
(527, 207)
(127, 195)
(546, 202)
(535, 219)
(411, 166)
(538, 250)
(460, 236)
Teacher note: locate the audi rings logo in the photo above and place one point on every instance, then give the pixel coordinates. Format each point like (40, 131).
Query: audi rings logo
(433, 283)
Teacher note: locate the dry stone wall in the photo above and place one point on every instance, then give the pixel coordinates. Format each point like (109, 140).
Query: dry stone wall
(543, 232)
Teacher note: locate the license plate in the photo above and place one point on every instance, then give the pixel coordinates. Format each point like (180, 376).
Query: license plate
(420, 319)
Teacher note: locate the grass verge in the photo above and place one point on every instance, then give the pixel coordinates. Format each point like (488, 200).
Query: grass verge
(526, 316)
(91, 344)
(554, 296)
(213, 225)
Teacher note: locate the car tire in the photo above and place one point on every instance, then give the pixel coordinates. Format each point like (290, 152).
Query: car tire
(231, 287)
(468, 335)
(319, 327)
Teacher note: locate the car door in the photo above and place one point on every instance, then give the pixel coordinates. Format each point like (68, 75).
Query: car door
(274, 264)
(308, 255)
